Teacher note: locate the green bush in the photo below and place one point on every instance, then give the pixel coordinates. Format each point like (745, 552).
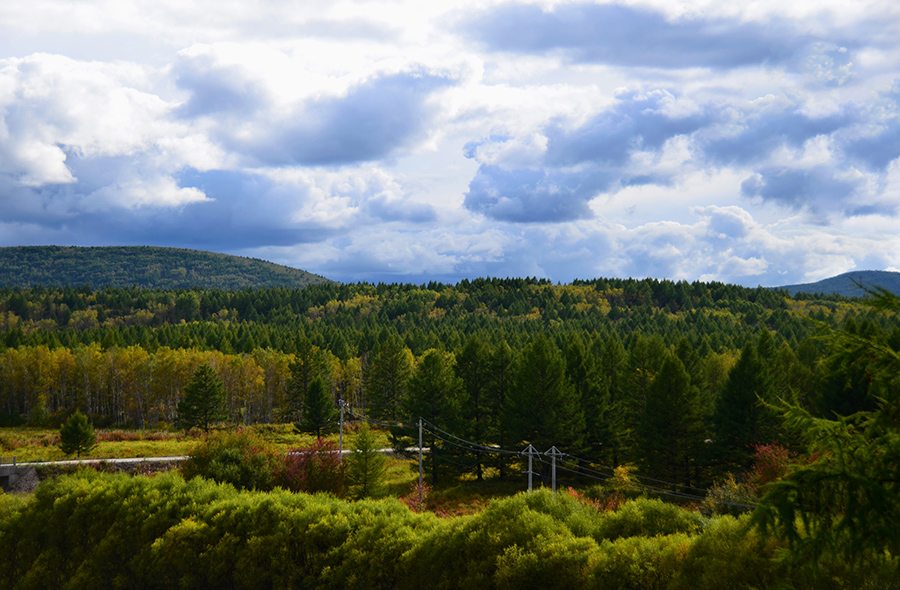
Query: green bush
(648, 518)
(103, 531)
(242, 459)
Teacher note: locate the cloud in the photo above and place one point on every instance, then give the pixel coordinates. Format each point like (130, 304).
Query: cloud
(752, 133)
(216, 89)
(818, 187)
(371, 122)
(633, 36)
(401, 141)
(580, 163)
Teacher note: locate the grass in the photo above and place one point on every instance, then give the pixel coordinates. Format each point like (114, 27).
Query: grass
(28, 444)
(456, 496)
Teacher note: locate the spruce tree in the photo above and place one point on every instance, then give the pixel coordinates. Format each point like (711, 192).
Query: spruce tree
(319, 412)
(366, 466)
(204, 400)
(77, 436)
(843, 501)
(434, 393)
(669, 429)
(543, 408)
(386, 376)
(742, 417)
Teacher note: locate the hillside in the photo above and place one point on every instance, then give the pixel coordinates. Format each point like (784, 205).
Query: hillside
(847, 284)
(143, 266)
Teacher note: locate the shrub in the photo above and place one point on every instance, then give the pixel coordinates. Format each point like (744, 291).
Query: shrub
(239, 458)
(648, 518)
(312, 469)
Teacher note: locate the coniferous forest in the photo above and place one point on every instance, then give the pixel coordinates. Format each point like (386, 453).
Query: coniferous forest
(686, 384)
(672, 377)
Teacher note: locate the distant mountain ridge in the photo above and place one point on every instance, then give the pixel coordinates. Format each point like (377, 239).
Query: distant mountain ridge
(847, 284)
(143, 266)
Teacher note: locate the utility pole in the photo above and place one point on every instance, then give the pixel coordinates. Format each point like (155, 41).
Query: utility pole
(531, 452)
(341, 435)
(554, 453)
(420, 461)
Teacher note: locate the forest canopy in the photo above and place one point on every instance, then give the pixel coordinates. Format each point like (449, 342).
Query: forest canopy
(610, 356)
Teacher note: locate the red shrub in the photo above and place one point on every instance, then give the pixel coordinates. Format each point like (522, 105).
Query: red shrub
(316, 468)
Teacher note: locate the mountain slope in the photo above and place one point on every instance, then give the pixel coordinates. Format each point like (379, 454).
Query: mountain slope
(846, 284)
(143, 266)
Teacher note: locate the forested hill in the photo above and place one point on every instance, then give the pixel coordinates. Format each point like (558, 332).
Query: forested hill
(848, 284)
(143, 266)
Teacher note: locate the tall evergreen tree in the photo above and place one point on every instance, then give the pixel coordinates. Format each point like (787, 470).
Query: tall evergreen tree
(386, 378)
(434, 393)
(305, 368)
(320, 415)
(543, 408)
(669, 431)
(611, 368)
(843, 502)
(204, 400)
(366, 465)
(477, 415)
(742, 416)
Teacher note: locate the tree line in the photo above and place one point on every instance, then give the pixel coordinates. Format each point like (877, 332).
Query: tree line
(672, 377)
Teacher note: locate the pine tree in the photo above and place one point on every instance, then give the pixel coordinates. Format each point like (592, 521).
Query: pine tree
(76, 436)
(434, 393)
(386, 377)
(844, 501)
(742, 417)
(306, 367)
(366, 466)
(479, 418)
(670, 427)
(543, 408)
(319, 412)
(204, 400)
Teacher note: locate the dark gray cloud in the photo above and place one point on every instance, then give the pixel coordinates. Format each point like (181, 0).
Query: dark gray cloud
(216, 89)
(633, 36)
(580, 163)
(246, 212)
(597, 157)
(636, 122)
(368, 124)
(534, 195)
(759, 133)
(371, 121)
(818, 187)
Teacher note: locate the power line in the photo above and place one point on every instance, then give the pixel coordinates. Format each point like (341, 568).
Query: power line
(582, 468)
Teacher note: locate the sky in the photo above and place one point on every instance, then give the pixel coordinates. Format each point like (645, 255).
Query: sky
(755, 143)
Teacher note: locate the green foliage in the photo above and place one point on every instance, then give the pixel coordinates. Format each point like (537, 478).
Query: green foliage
(648, 518)
(114, 531)
(434, 393)
(204, 400)
(239, 458)
(76, 436)
(545, 409)
(743, 416)
(365, 466)
(125, 354)
(320, 415)
(845, 501)
(670, 427)
(386, 377)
